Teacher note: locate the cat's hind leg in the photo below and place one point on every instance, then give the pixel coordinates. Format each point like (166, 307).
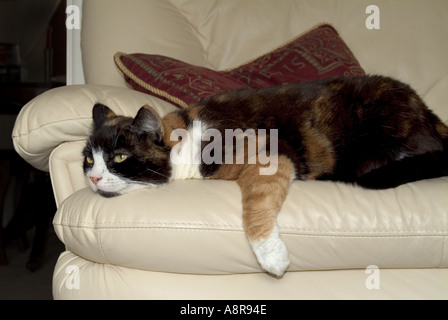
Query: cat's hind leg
(263, 196)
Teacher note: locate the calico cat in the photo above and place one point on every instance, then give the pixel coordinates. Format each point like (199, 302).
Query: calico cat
(372, 131)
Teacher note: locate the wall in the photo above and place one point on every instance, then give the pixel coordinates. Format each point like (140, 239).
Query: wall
(24, 22)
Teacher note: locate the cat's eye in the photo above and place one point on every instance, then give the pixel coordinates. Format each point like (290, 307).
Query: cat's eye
(120, 158)
(89, 160)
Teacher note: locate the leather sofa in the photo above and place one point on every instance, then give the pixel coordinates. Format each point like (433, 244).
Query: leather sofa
(186, 241)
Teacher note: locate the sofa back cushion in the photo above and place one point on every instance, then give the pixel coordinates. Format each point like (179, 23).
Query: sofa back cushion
(410, 43)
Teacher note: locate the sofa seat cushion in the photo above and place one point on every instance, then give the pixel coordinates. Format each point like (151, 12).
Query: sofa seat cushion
(195, 227)
(90, 280)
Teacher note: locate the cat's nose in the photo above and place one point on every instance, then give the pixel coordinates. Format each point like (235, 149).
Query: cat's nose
(95, 180)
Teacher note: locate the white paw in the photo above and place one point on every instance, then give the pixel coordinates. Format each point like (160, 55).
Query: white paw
(272, 254)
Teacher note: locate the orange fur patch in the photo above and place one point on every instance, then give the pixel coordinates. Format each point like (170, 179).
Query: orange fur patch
(228, 172)
(171, 122)
(263, 196)
(193, 111)
(319, 152)
(442, 129)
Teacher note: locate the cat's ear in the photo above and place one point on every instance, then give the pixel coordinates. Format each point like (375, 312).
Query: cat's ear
(148, 121)
(101, 114)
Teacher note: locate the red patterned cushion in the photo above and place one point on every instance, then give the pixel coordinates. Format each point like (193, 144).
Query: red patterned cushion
(320, 53)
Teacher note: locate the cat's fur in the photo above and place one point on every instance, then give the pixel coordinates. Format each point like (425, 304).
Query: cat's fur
(372, 131)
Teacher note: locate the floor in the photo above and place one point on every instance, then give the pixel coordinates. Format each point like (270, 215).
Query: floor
(21, 188)
(17, 282)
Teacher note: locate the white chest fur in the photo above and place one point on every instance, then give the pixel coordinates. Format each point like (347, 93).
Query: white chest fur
(186, 155)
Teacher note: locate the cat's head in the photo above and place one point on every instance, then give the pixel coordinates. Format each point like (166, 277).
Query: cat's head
(125, 154)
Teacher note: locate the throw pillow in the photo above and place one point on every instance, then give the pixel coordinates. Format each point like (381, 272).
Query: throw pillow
(319, 53)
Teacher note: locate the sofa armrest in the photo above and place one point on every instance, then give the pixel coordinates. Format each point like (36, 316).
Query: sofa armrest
(64, 114)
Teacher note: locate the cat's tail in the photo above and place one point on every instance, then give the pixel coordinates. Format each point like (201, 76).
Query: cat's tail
(419, 167)
(426, 166)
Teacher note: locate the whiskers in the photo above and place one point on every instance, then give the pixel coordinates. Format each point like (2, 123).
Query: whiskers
(164, 188)
(153, 185)
(156, 172)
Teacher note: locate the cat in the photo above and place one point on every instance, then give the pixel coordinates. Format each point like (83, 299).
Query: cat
(372, 131)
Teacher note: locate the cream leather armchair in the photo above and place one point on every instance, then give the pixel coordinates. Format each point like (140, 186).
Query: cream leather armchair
(186, 240)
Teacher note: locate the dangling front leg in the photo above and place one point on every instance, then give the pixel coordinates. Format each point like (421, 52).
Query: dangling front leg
(263, 196)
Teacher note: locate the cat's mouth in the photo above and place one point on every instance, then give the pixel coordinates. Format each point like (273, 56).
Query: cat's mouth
(109, 192)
